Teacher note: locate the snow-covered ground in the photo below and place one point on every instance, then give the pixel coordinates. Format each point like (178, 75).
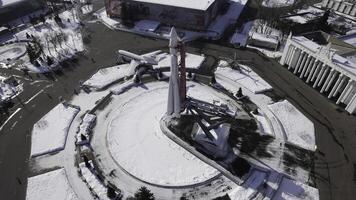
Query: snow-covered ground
(93, 182)
(246, 77)
(49, 134)
(137, 143)
(277, 3)
(53, 185)
(107, 76)
(47, 34)
(298, 128)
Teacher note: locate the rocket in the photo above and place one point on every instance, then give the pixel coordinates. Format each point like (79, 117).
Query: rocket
(173, 106)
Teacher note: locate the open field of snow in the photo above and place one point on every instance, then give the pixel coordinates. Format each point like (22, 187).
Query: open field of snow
(49, 134)
(299, 129)
(246, 77)
(107, 76)
(50, 186)
(137, 143)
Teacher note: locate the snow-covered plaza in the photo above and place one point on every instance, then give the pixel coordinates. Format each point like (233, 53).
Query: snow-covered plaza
(125, 134)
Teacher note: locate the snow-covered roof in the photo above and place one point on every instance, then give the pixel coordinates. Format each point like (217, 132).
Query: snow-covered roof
(196, 4)
(4, 3)
(338, 60)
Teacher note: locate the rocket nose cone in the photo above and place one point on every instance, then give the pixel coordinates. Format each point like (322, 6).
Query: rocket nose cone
(173, 37)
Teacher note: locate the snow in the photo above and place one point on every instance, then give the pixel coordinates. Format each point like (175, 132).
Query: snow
(147, 25)
(46, 33)
(137, 143)
(86, 9)
(107, 76)
(246, 77)
(85, 128)
(264, 38)
(196, 4)
(93, 182)
(50, 186)
(8, 2)
(300, 130)
(290, 189)
(8, 91)
(49, 134)
(12, 51)
(220, 24)
(192, 61)
(263, 124)
(277, 3)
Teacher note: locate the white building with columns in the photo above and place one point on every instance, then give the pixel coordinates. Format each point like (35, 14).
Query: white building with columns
(323, 68)
(347, 7)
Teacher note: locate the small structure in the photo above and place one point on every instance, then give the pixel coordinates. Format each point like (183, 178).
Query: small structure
(193, 15)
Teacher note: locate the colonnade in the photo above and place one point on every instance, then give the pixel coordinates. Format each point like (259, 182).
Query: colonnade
(321, 73)
(342, 6)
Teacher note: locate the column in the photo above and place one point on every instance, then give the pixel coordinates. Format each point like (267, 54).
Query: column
(299, 68)
(289, 62)
(330, 4)
(312, 70)
(331, 94)
(342, 7)
(353, 11)
(336, 5)
(286, 52)
(325, 3)
(345, 92)
(323, 76)
(350, 94)
(343, 80)
(301, 57)
(329, 81)
(302, 65)
(347, 9)
(317, 71)
(310, 67)
(291, 55)
(351, 107)
(307, 66)
(294, 60)
(320, 74)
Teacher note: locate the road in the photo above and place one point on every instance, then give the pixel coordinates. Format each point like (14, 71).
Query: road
(335, 160)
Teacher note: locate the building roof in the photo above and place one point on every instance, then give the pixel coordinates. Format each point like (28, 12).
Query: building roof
(4, 3)
(191, 4)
